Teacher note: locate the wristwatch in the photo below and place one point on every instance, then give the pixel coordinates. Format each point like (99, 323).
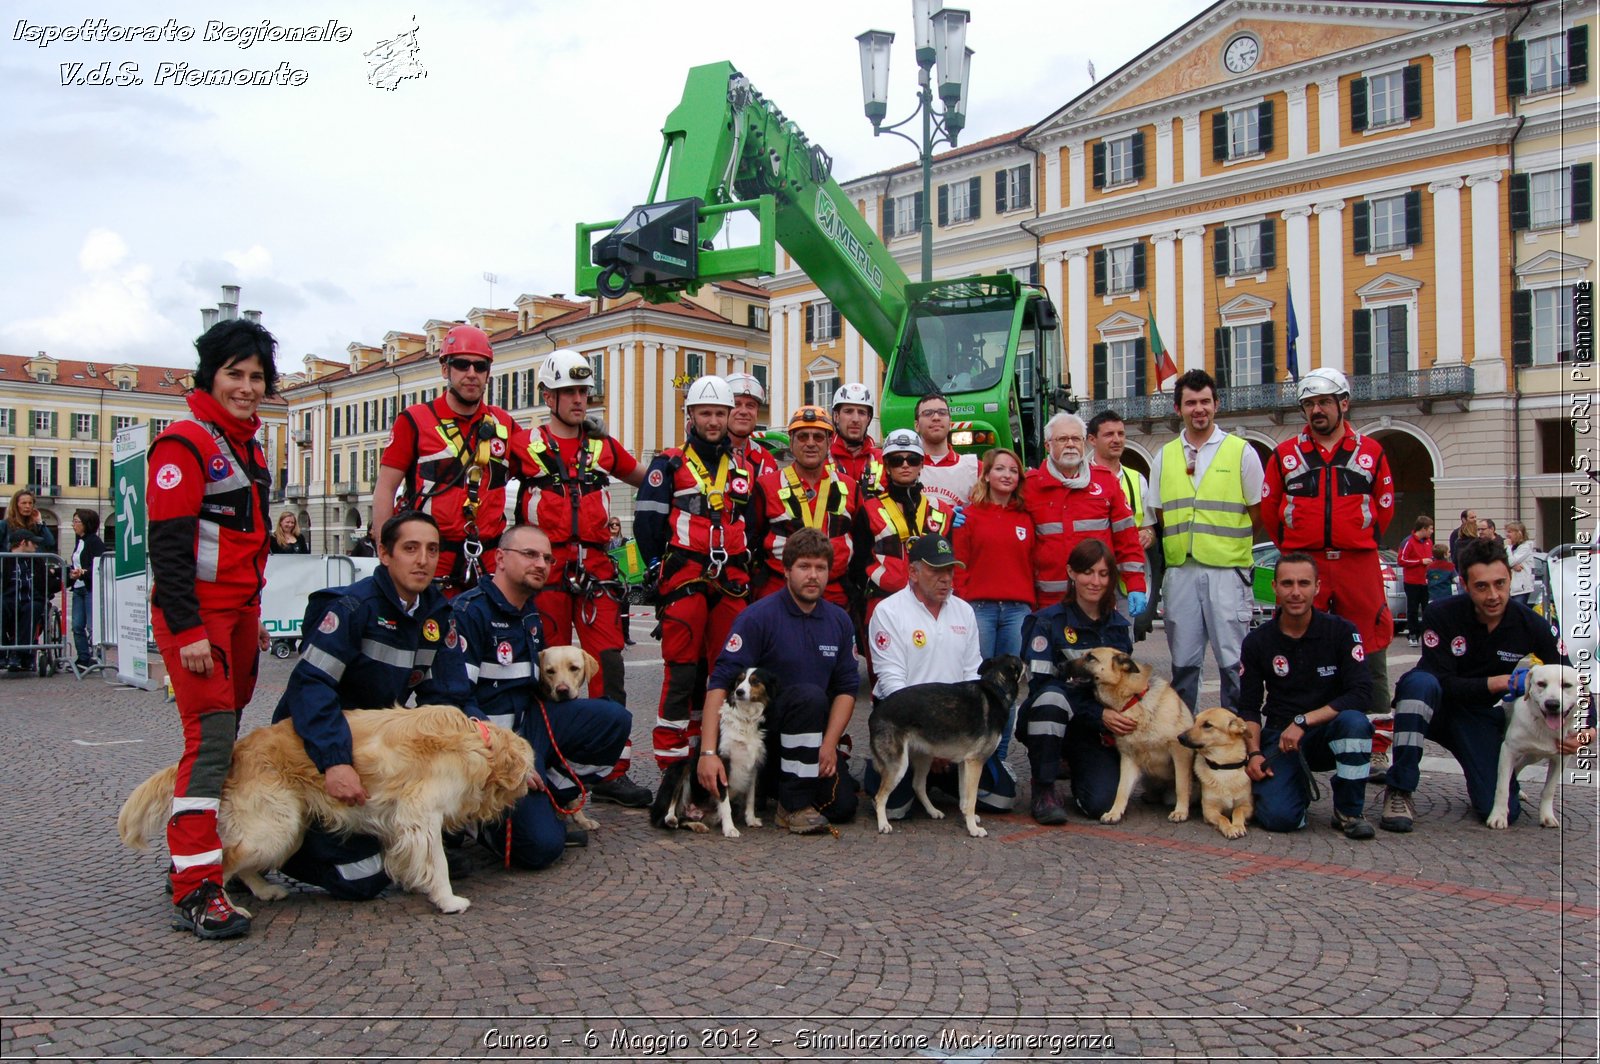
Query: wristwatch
(1300, 719)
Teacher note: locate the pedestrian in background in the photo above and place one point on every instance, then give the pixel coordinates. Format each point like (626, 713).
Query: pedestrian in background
(1415, 554)
(286, 537)
(615, 543)
(1463, 534)
(23, 578)
(80, 574)
(1441, 575)
(1520, 552)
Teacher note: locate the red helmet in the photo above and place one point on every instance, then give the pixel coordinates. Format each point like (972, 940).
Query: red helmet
(466, 340)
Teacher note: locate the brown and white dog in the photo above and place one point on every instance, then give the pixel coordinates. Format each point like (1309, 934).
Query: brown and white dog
(1218, 739)
(1152, 748)
(564, 674)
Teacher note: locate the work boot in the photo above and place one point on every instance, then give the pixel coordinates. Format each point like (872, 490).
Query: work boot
(1047, 808)
(1354, 827)
(577, 838)
(621, 791)
(1377, 769)
(207, 912)
(805, 821)
(1398, 811)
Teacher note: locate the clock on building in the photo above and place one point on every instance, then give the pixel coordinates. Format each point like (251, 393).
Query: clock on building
(1241, 53)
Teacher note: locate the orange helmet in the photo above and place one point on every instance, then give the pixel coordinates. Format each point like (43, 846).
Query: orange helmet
(466, 340)
(810, 416)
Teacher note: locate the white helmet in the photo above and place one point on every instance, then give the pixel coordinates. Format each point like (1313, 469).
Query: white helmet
(859, 394)
(1322, 381)
(566, 368)
(746, 384)
(708, 391)
(902, 440)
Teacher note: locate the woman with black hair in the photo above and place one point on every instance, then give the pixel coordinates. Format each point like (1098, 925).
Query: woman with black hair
(209, 526)
(80, 577)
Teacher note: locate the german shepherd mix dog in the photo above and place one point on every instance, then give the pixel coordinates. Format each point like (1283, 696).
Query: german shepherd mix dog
(960, 722)
(1553, 708)
(426, 770)
(742, 745)
(1152, 749)
(1226, 801)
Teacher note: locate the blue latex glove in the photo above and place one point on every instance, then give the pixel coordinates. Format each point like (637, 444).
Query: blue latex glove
(1517, 686)
(1137, 601)
(960, 518)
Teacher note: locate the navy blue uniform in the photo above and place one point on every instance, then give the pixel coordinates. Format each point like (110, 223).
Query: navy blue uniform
(1324, 667)
(1446, 697)
(363, 650)
(813, 656)
(1059, 720)
(500, 645)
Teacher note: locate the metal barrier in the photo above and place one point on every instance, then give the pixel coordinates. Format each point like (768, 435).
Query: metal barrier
(33, 612)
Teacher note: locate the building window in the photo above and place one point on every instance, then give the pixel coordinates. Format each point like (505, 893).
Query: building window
(694, 364)
(1119, 269)
(1381, 340)
(1542, 326)
(44, 423)
(1551, 199)
(122, 421)
(369, 464)
(597, 363)
(8, 469)
(1387, 223)
(1545, 64)
(83, 473)
(759, 372)
(1386, 99)
(1028, 274)
(1246, 355)
(959, 202)
(42, 470)
(1119, 162)
(1245, 248)
(8, 422)
(755, 317)
(1013, 188)
(822, 322)
(819, 392)
(1242, 132)
(158, 425)
(83, 425)
(1558, 445)
(337, 467)
(1119, 368)
(903, 215)
(305, 473)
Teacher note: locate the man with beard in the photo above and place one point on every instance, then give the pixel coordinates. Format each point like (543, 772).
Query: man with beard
(748, 399)
(810, 493)
(1205, 489)
(1328, 493)
(898, 516)
(690, 524)
(853, 453)
(808, 643)
(448, 459)
(1071, 499)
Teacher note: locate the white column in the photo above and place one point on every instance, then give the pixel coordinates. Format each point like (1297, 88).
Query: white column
(1486, 265)
(1299, 135)
(1192, 350)
(614, 389)
(793, 392)
(1075, 175)
(1052, 279)
(1077, 296)
(1330, 269)
(1051, 154)
(650, 438)
(1191, 145)
(1444, 88)
(1447, 269)
(671, 412)
(1166, 284)
(1163, 152)
(1328, 128)
(1482, 80)
(630, 381)
(1297, 227)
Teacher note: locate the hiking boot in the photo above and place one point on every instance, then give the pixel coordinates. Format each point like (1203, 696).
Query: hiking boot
(1377, 769)
(1047, 808)
(577, 838)
(805, 821)
(1354, 827)
(1413, 641)
(621, 791)
(207, 912)
(1398, 812)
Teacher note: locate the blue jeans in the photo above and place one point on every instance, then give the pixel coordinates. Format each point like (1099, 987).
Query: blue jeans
(1000, 632)
(80, 626)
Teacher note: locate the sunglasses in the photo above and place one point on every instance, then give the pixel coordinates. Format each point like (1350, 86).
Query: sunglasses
(470, 365)
(893, 460)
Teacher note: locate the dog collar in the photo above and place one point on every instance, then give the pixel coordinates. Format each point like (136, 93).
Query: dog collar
(1227, 765)
(1135, 700)
(483, 730)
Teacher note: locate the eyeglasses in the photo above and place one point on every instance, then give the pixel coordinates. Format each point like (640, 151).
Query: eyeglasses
(892, 460)
(1067, 439)
(471, 365)
(530, 554)
(935, 412)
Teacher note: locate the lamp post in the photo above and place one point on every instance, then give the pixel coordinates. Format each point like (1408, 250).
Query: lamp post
(941, 39)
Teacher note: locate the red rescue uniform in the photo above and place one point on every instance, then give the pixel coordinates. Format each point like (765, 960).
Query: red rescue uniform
(1063, 517)
(790, 503)
(862, 467)
(893, 520)
(753, 457)
(1335, 505)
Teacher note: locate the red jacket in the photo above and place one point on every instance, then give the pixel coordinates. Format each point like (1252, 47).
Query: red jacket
(208, 518)
(833, 501)
(997, 545)
(890, 527)
(1338, 500)
(558, 493)
(754, 457)
(685, 520)
(1063, 517)
(1415, 555)
(864, 468)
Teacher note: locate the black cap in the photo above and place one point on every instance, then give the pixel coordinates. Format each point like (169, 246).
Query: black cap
(934, 550)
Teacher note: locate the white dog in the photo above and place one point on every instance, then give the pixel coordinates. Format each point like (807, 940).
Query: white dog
(1553, 708)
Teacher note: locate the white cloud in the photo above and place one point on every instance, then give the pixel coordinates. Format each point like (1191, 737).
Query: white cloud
(102, 249)
(255, 262)
(110, 312)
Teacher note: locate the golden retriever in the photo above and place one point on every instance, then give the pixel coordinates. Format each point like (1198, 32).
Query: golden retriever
(564, 674)
(1159, 715)
(426, 770)
(1226, 800)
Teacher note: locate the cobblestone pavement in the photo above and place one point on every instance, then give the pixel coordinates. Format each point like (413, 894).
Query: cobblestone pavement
(1144, 940)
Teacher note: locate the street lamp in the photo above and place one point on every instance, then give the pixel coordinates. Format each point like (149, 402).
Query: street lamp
(941, 41)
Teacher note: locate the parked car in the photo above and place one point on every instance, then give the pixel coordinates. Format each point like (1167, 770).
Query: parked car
(1265, 556)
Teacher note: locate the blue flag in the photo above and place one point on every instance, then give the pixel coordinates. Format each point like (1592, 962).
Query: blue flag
(1294, 341)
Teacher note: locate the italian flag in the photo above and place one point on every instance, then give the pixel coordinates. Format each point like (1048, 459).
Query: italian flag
(1165, 369)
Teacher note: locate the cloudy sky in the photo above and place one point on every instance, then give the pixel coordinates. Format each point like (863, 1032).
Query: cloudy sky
(345, 210)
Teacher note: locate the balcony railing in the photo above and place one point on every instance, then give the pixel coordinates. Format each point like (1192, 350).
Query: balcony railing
(349, 488)
(1421, 386)
(295, 491)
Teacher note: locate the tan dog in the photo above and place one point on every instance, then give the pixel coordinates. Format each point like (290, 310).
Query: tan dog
(1554, 707)
(426, 770)
(1152, 749)
(564, 674)
(1226, 802)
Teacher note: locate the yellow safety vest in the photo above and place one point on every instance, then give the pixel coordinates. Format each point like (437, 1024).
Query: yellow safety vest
(1209, 523)
(1130, 480)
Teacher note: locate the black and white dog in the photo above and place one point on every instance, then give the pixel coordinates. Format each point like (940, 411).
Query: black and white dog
(958, 722)
(742, 745)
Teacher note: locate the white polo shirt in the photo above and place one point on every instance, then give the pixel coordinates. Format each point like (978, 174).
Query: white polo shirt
(911, 646)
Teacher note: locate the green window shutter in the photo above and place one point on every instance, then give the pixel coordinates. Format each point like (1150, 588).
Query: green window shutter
(1000, 205)
(975, 198)
(1398, 340)
(1100, 272)
(1578, 55)
(888, 218)
(1139, 376)
(1099, 156)
(29, 417)
(1269, 353)
(1264, 126)
(1101, 370)
(944, 206)
(1223, 342)
(1361, 342)
(94, 425)
(1360, 227)
(1583, 192)
(1138, 266)
(1411, 85)
(1269, 245)
(94, 472)
(1219, 137)
(1517, 68)
(917, 208)
(1521, 216)
(55, 426)
(1413, 218)
(1358, 105)
(811, 325)
(1138, 156)
(1522, 328)
(1025, 187)
(1219, 252)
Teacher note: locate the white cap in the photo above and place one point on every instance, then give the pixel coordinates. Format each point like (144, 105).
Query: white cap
(1322, 381)
(858, 394)
(566, 368)
(902, 441)
(746, 384)
(708, 391)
